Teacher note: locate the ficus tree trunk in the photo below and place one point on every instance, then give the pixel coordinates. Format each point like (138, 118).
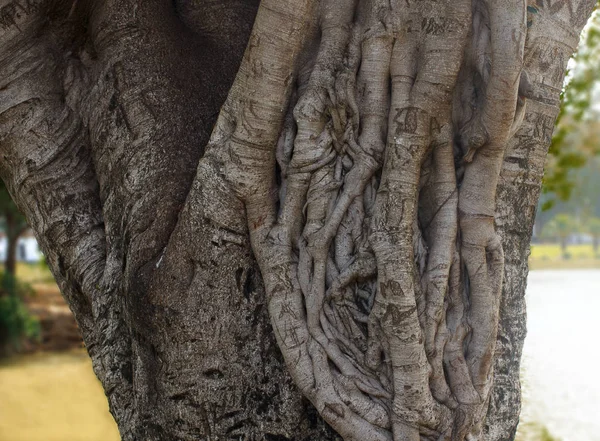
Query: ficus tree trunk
(339, 251)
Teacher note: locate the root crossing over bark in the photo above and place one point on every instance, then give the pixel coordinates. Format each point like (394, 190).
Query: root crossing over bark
(375, 231)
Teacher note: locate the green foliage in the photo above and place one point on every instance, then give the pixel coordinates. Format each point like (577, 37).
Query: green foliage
(583, 200)
(577, 134)
(592, 226)
(10, 284)
(15, 321)
(560, 227)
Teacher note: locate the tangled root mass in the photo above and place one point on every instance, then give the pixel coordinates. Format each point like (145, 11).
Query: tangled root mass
(371, 207)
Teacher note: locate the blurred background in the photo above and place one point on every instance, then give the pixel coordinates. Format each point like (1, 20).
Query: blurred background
(49, 392)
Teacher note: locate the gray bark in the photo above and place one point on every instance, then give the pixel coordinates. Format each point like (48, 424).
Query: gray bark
(364, 204)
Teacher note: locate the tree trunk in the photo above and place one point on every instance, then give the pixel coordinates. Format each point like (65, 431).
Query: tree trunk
(10, 266)
(345, 255)
(15, 226)
(563, 246)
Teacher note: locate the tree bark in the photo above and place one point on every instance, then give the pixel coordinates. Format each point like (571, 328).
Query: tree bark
(346, 253)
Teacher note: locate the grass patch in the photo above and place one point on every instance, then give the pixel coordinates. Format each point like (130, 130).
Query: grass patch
(34, 273)
(553, 251)
(534, 431)
(550, 256)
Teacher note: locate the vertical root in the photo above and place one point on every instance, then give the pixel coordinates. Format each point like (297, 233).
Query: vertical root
(406, 356)
(441, 222)
(455, 364)
(481, 249)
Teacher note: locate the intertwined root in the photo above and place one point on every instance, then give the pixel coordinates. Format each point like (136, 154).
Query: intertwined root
(381, 261)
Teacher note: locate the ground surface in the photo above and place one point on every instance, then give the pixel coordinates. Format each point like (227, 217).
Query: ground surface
(549, 256)
(58, 328)
(53, 397)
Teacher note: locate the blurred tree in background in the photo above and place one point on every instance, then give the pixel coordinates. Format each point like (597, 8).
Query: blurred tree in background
(560, 228)
(15, 321)
(14, 224)
(573, 168)
(592, 227)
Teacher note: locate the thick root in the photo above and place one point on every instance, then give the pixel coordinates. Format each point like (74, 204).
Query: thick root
(381, 263)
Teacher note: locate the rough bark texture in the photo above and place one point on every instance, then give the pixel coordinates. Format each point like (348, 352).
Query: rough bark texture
(364, 204)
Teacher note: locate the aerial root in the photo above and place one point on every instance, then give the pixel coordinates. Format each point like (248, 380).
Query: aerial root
(379, 269)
